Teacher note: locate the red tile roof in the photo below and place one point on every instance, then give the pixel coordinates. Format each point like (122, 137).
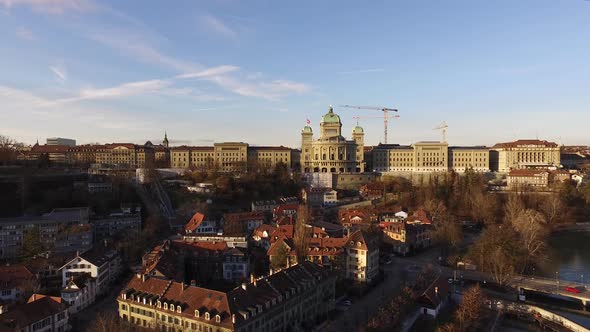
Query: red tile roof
(526, 172)
(521, 142)
(14, 276)
(194, 223)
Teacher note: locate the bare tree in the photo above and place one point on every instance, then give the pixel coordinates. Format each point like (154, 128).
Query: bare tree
(302, 232)
(468, 315)
(553, 209)
(531, 227)
(7, 149)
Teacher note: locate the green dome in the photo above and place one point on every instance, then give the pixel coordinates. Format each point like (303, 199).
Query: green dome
(358, 130)
(307, 129)
(330, 117)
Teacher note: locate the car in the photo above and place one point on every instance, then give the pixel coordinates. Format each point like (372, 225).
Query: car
(450, 280)
(572, 289)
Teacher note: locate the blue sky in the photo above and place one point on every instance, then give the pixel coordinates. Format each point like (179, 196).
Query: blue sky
(253, 71)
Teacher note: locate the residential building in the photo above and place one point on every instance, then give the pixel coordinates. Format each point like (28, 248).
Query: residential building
(434, 298)
(528, 178)
(264, 206)
(101, 262)
(406, 237)
(15, 281)
(100, 187)
(320, 196)
(331, 152)
(231, 156)
(296, 298)
(67, 225)
(373, 190)
(236, 265)
(242, 222)
(126, 155)
(61, 141)
(122, 222)
(354, 257)
(40, 313)
(525, 153)
(79, 292)
(232, 241)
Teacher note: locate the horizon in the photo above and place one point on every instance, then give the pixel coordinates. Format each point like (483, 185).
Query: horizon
(227, 71)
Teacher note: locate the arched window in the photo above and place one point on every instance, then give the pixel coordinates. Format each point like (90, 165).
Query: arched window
(178, 309)
(197, 313)
(217, 319)
(172, 307)
(165, 305)
(159, 304)
(207, 316)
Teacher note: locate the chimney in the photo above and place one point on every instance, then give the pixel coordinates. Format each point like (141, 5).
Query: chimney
(252, 279)
(143, 277)
(182, 286)
(138, 276)
(271, 272)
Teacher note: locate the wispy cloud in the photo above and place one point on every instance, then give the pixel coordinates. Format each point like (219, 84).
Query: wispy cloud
(136, 47)
(25, 33)
(362, 71)
(214, 71)
(54, 7)
(216, 25)
(60, 73)
(122, 90)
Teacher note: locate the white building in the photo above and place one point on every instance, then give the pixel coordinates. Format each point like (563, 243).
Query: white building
(362, 259)
(101, 263)
(235, 265)
(79, 293)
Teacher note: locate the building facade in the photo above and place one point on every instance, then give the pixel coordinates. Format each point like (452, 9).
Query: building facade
(523, 154)
(296, 298)
(331, 152)
(61, 141)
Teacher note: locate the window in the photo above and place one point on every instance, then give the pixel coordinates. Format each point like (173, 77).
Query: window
(207, 316)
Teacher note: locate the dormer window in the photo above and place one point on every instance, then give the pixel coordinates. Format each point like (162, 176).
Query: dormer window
(172, 307)
(207, 316)
(197, 313)
(159, 304)
(178, 309)
(358, 244)
(165, 305)
(217, 319)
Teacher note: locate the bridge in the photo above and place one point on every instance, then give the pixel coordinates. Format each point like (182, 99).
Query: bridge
(551, 287)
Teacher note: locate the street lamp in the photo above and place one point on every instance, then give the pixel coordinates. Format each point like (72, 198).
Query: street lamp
(557, 280)
(533, 273)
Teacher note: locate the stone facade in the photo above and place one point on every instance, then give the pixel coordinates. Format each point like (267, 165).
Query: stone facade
(332, 153)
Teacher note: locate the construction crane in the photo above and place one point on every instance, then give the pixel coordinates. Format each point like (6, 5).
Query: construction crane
(385, 115)
(357, 118)
(443, 126)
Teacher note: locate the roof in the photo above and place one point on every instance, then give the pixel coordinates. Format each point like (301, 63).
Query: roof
(434, 294)
(527, 172)
(307, 129)
(99, 255)
(522, 142)
(24, 315)
(243, 216)
(194, 222)
(330, 117)
(14, 275)
(270, 148)
(50, 148)
(357, 130)
(239, 301)
(361, 240)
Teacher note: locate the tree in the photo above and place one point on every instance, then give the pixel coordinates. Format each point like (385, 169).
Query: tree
(7, 149)
(31, 243)
(553, 208)
(531, 226)
(302, 230)
(468, 315)
(280, 258)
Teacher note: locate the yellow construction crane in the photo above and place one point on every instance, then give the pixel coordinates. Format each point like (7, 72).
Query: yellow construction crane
(385, 115)
(443, 126)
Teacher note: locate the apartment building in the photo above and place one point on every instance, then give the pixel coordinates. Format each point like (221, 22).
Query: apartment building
(40, 313)
(101, 262)
(67, 230)
(295, 298)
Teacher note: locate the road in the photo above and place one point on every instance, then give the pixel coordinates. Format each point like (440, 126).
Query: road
(400, 270)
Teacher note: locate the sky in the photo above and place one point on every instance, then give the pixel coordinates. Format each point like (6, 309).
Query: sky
(254, 71)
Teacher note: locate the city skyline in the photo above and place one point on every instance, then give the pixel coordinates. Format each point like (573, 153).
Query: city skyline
(225, 71)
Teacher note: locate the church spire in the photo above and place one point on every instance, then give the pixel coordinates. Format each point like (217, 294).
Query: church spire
(165, 142)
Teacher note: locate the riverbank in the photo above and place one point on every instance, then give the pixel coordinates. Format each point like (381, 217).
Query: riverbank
(575, 227)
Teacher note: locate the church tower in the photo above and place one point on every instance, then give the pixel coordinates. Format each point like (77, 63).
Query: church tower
(165, 141)
(358, 135)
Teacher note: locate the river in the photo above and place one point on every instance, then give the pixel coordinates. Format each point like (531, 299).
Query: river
(569, 255)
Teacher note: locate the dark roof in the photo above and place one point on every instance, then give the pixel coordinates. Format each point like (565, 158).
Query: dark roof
(99, 255)
(521, 142)
(24, 315)
(434, 294)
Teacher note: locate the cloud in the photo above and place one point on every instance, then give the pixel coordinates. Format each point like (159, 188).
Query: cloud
(214, 71)
(60, 73)
(25, 33)
(134, 46)
(362, 71)
(54, 7)
(216, 25)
